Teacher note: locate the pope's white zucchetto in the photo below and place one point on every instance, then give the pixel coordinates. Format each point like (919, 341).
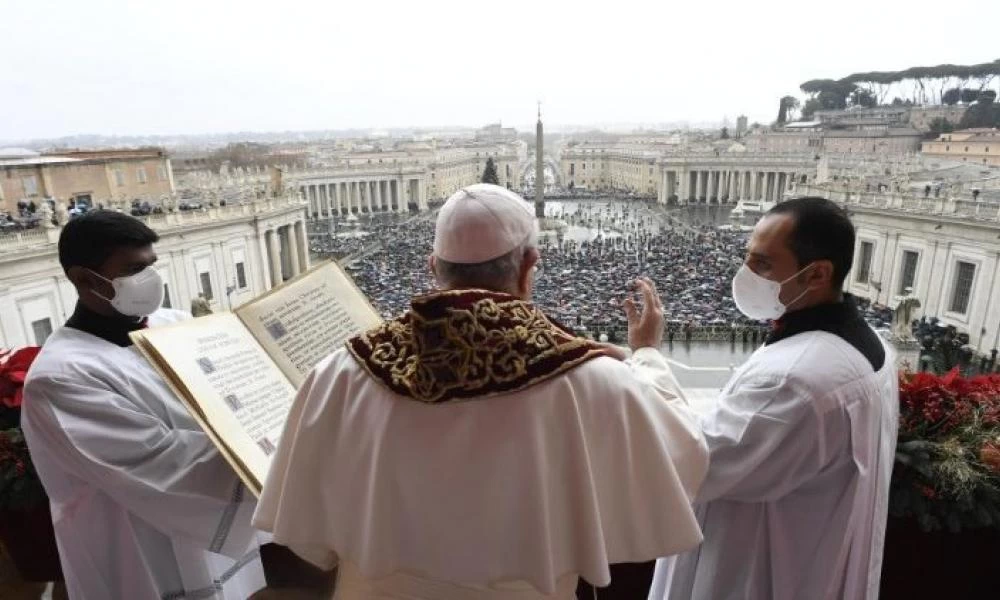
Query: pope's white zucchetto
(481, 222)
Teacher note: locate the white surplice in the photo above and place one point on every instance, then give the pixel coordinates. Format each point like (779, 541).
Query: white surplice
(506, 497)
(802, 442)
(143, 505)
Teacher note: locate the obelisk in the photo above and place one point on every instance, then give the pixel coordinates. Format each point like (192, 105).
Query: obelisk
(539, 168)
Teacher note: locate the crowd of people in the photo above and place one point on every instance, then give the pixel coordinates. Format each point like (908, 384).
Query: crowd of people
(586, 263)
(590, 252)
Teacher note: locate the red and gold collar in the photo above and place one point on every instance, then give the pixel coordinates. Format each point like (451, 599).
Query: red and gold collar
(465, 344)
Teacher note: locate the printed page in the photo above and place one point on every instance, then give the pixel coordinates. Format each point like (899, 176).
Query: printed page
(306, 319)
(229, 383)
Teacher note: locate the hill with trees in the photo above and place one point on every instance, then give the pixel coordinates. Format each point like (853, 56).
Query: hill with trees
(916, 86)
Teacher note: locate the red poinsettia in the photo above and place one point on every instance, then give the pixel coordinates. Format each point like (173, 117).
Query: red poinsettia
(13, 370)
(935, 405)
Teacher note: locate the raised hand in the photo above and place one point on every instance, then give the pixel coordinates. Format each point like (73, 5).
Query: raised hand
(645, 327)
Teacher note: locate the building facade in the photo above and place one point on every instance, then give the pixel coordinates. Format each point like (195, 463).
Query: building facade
(398, 180)
(922, 117)
(94, 177)
(979, 146)
(684, 177)
(228, 254)
(610, 167)
(876, 140)
(917, 117)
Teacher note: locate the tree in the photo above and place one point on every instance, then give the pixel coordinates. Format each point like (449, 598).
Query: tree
(786, 106)
(969, 95)
(984, 113)
(941, 125)
(724, 134)
(864, 98)
(810, 107)
(490, 172)
(952, 96)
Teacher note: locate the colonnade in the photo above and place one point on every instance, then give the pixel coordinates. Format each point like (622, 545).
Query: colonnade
(327, 198)
(725, 185)
(285, 249)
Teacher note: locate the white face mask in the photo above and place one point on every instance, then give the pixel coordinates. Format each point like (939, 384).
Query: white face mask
(137, 295)
(760, 298)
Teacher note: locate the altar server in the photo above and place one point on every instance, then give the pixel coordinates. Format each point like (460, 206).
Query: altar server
(802, 438)
(143, 505)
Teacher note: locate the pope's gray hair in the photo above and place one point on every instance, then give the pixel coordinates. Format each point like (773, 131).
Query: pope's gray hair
(498, 274)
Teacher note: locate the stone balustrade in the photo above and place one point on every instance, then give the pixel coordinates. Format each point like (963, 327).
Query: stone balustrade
(980, 210)
(41, 237)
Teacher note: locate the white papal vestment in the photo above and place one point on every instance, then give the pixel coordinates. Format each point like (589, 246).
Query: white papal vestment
(506, 497)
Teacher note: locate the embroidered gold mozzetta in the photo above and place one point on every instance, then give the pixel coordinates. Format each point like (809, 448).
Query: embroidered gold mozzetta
(465, 344)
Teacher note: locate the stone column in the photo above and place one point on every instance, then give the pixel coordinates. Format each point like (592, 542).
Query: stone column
(293, 250)
(368, 196)
(264, 265)
(378, 195)
(302, 244)
(733, 176)
(274, 254)
(401, 195)
(697, 186)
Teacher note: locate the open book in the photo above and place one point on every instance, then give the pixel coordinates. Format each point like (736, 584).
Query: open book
(237, 372)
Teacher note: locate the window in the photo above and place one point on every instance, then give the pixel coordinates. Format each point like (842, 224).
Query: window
(166, 296)
(241, 276)
(42, 329)
(140, 175)
(119, 177)
(965, 273)
(205, 279)
(161, 173)
(909, 274)
(30, 185)
(865, 262)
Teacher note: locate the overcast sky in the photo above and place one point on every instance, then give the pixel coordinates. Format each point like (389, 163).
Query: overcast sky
(198, 66)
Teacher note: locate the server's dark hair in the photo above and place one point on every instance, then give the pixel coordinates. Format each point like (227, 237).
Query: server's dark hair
(89, 239)
(823, 231)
